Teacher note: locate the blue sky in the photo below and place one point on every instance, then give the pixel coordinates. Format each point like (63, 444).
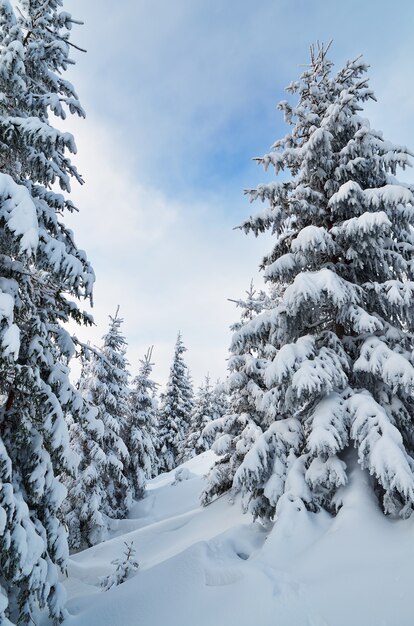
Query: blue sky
(179, 96)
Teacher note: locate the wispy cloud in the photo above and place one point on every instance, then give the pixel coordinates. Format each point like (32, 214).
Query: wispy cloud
(179, 96)
(167, 264)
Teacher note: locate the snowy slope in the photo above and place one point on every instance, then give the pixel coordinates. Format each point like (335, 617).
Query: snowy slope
(214, 567)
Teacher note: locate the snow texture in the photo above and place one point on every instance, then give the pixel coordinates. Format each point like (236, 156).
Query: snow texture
(214, 566)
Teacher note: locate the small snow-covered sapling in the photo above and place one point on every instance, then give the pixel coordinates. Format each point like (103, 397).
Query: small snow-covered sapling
(124, 567)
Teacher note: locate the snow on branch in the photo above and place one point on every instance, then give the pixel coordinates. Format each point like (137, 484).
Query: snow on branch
(311, 287)
(381, 451)
(19, 212)
(264, 468)
(328, 426)
(313, 238)
(124, 568)
(320, 375)
(392, 367)
(359, 319)
(288, 360)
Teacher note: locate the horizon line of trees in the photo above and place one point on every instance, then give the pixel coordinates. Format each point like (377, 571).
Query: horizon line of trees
(133, 432)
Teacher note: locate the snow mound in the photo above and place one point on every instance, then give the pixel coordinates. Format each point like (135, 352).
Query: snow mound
(214, 567)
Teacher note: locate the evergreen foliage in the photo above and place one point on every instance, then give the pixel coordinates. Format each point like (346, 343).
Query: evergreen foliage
(106, 388)
(41, 270)
(210, 404)
(84, 504)
(340, 367)
(175, 411)
(141, 429)
(202, 414)
(232, 435)
(219, 400)
(124, 568)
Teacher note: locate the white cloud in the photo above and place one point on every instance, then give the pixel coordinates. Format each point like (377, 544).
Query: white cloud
(174, 92)
(125, 211)
(170, 266)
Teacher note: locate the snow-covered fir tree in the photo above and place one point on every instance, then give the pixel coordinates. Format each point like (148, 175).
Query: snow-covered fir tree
(342, 372)
(106, 387)
(219, 400)
(232, 435)
(175, 411)
(124, 568)
(141, 428)
(210, 404)
(220, 406)
(84, 504)
(41, 271)
(203, 412)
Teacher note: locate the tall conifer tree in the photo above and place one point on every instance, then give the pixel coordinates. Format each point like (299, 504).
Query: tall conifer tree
(84, 504)
(41, 271)
(342, 372)
(202, 414)
(175, 410)
(232, 435)
(106, 387)
(141, 428)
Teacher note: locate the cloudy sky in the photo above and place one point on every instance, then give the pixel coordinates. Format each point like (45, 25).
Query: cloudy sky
(180, 95)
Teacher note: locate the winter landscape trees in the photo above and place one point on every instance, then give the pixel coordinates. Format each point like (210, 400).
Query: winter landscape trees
(175, 411)
(41, 271)
(141, 428)
(334, 349)
(233, 434)
(106, 387)
(321, 367)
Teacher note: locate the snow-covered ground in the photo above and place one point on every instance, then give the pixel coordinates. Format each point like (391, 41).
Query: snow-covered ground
(214, 567)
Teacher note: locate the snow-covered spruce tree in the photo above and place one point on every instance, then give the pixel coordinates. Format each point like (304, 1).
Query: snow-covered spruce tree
(219, 400)
(175, 411)
(141, 428)
(219, 407)
(232, 435)
(106, 388)
(124, 568)
(342, 375)
(83, 506)
(41, 271)
(202, 414)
